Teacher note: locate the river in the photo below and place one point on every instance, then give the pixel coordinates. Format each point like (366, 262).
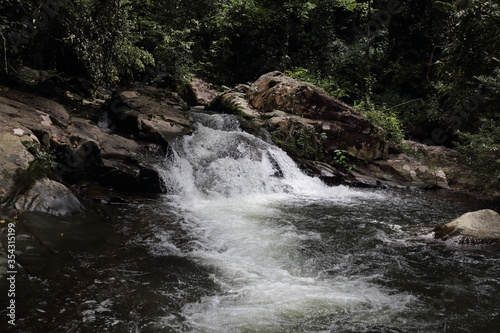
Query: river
(243, 241)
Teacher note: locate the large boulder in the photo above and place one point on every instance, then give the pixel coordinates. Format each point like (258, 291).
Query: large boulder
(303, 120)
(25, 121)
(115, 161)
(15, 157)
(150, 114)
(478, 227)
(48, 196)
(330, 123)
(199, 92)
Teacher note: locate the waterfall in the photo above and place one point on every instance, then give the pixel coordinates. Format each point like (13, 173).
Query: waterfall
(231, 191)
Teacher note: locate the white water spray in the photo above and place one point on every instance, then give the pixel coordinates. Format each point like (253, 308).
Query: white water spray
(230, 188)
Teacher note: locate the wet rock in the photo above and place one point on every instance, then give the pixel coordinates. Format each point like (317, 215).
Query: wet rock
(234, 102)
(327, 173)
(150, 114)
(478, 227)
(15, 158)
(199, 92)
(48, 196)
(113, 160)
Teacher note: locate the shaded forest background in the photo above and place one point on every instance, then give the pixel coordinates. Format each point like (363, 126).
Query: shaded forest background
(422, 69)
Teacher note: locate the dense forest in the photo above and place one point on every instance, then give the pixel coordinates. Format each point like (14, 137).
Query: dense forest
(425, 70)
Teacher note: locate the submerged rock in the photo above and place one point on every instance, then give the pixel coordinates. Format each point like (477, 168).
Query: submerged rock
(48, 196)
(478, 227)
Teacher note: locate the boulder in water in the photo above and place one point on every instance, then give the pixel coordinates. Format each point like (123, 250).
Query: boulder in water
(48, 196)
(478, 227)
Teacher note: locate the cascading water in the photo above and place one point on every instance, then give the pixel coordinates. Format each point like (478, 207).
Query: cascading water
(245, 242)
(231, 190)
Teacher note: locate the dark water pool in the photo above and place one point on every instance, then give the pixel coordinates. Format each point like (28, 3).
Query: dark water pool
(363, 265)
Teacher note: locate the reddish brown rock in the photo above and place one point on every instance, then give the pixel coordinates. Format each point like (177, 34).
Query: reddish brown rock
(319, 118)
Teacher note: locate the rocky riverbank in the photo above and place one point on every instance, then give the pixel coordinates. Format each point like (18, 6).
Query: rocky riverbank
(336, 142)
(56, 142)
(110, 142)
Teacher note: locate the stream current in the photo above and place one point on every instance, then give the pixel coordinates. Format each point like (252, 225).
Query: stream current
(246, 242)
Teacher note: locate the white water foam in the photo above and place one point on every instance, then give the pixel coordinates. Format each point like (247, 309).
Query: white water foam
(229, 187)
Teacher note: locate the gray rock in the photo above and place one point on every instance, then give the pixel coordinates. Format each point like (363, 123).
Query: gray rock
(48, 196)
(234, 102)
(15, 157)
(199, 92)
(482, 226)
(149, 113)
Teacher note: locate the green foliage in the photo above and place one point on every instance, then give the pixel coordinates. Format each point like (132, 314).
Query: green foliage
(99, 33)
(174, 56)
(468, 72)
(43, 157)
(341, 158)
(389, 126)
(482, 150)
(328, 85)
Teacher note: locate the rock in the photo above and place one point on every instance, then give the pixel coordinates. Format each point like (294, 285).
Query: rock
(327, 173)
(78, 147)
(30, 75)
(413, 172)
(15, 158)
(276, 91)
(478, 227)
(234, 102)
(48, 196)
(113, 160)
(149, 113)
(302, 120)
(319, 119)
(199, 92)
